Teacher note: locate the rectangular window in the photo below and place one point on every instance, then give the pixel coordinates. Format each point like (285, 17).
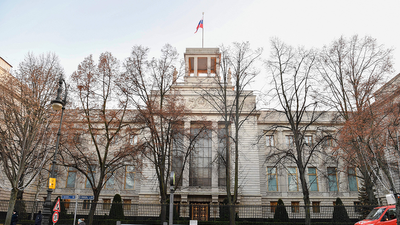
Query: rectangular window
(213, 65)
(191, 65)
(133, 139)
(106, 204)
(91, 175)
(312, 178)
(109, 182)
(308, 140)
(129, 177)
(269, 140)
(86, 204)
(289, 140)
(316, 207)
(202, 65)
(332, 179)
(115, 140)
(272, 179)
(352, 177)
(200, 159)
(71, 177)
(221, 156)
(127, 204)
(391, 214)
(77, 139)
(295, 207)
(66, 203)
(328, 142)
(292, 179)
(273, 206)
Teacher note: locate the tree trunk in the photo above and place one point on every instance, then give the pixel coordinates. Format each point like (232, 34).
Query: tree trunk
(163, 215)
(306, 197)
(232, 214)
(11, 205)
(369, 188)
(93, 207)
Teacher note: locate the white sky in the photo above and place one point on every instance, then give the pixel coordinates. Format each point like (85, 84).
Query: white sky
(75, 29)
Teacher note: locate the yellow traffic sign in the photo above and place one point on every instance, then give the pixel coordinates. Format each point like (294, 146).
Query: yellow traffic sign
(52, 183)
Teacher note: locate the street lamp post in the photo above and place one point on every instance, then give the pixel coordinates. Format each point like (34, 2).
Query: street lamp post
(171, 198)
(57, 104)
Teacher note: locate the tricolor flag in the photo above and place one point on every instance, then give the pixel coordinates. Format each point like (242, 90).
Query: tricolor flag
(200, 25)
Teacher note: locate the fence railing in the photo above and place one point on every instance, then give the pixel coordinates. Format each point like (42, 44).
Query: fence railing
(27, 210)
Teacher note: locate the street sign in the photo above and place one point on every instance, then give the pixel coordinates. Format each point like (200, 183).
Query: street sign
(52, 183)
(67, 196)
(57, 206)
(86, 197)
(55, 217)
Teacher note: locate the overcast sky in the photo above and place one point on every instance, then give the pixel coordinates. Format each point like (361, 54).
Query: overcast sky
(75, 29)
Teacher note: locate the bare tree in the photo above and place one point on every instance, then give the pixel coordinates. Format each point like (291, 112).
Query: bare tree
(292, 75)
(235, 105)
(26, 138)
(160, 113)
(96, 140)
(352, 69)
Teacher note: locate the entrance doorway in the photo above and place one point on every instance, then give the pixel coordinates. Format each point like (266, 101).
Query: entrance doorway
(200, 212)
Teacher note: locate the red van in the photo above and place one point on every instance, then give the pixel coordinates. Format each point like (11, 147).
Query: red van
(384, 215)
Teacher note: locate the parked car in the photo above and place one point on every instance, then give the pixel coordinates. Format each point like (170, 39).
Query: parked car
(384, 215)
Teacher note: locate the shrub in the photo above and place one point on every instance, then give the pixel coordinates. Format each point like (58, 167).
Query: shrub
(280, 212)
(339, 212)
(116, 210)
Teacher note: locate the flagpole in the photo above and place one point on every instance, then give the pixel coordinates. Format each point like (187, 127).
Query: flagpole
(202, 32)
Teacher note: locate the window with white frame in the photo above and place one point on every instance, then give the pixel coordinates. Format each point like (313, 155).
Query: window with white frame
(352, 178)
(328, 141)
(292, 179)
(129, 177)
(133, 139)
(91, 172)
(332, 179)
(269, 140)
(109, 182)
(312, 178)
(308, 140)
(201, 159)
(272, 179)
(289, 140)
(71, 177)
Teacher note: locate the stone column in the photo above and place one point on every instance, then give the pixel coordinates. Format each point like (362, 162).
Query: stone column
(208, 66)
(185, 175)
(195, 67)
(187, 63)
(214, 153)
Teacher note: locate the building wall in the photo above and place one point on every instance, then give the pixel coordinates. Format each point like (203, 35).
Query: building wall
(253, 151)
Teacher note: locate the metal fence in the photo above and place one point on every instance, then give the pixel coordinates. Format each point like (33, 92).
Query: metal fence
(27, 210)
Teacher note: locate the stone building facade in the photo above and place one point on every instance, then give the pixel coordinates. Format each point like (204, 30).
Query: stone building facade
(261, 181)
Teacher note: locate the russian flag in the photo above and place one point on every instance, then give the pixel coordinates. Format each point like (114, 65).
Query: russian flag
(200, 25)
